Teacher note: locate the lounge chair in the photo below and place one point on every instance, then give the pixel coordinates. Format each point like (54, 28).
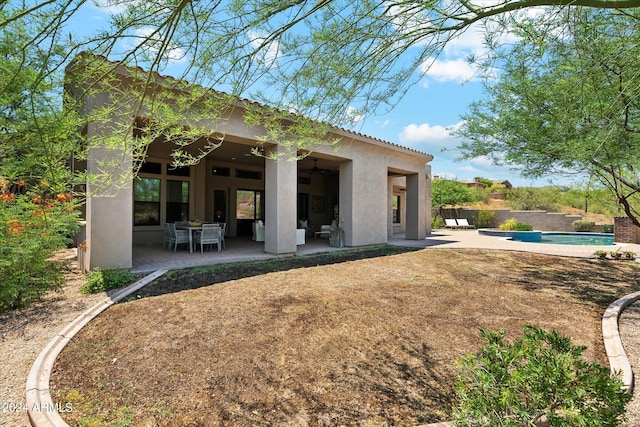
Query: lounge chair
(463, 223)
(451, 223)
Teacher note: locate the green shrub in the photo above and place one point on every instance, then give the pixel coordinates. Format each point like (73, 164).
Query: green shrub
(531, 198)
(521, 226)
(437, 222)
(539, 375)
(484, 218)
(583, 225)
(32, 228)
(101, 280)
(607, 228)
(509, 224)
(514, 225)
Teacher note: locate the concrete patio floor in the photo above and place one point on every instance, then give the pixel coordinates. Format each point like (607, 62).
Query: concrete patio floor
(149, 258)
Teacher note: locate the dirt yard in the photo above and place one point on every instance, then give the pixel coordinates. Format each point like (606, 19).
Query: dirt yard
(366, 342)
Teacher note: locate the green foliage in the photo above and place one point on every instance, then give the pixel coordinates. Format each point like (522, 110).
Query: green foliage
(509, 224)
(583, 225)
(101, 280)
(37, 138)
(595, 200)
(564, 104)
(521, 226)
(531, 198)
(437, 222)
(31, 229)
(607, 228)
(447, 192)
(484, 218)
(514, 225)
(541, 374)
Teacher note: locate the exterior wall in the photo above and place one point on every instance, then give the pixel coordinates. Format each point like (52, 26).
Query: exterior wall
(540, 220)
(625, 230)
(363, 196)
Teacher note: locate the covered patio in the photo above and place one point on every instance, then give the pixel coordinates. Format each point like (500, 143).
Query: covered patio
(370, 188)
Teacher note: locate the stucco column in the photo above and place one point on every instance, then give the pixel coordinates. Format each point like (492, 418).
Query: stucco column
(109, 210)
(280, 191)
(390, 181)
(364, 200)
(416, 207)
(427, 201)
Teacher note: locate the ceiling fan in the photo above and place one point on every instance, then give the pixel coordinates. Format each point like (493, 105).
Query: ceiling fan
(315, 169)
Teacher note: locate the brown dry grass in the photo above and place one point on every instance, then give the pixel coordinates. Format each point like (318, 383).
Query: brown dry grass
(368, 342)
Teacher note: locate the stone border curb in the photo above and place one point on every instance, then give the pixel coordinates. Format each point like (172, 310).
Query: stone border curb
(41, 410)
(618, 360)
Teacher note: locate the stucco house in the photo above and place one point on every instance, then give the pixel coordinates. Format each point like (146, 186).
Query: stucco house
(374, 187)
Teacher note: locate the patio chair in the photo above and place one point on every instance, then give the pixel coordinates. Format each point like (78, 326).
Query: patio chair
(223, 230)
(258, 231)
(177, 237)
(210, 235)
(325, 232)
(167, 235)
(463, 223)
(451, 223)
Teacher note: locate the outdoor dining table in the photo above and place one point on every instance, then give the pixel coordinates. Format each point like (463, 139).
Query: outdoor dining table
(191, 229)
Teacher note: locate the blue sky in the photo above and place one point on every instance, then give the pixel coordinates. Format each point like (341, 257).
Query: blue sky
(422, 118)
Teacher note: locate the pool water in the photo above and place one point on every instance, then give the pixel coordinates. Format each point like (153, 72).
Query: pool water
(582, 239)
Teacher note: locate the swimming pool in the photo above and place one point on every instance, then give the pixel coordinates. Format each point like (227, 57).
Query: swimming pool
(580, 239)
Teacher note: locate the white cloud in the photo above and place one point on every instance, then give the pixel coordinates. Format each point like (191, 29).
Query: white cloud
(437, 140)
(459, 70)
(354, 115)
(269, 50)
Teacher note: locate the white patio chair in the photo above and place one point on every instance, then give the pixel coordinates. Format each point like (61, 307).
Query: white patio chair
(177, 237)
(210, 235)
(463, 223)
(167, 235)
(258, 231)
(450, 223)
(223, 231)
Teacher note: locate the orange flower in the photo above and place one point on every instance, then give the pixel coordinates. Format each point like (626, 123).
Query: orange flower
(36, 199)
(61, 197)
(15, 227)
(6, 197)
(20, 183)
(68, 196)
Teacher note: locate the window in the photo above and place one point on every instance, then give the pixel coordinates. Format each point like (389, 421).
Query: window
(151, 167)
(161, 193)
(249, 204)
(177, 201)
(242, 173)
(221, 171)
(178, 171)
(146, 201)
(396, 209)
